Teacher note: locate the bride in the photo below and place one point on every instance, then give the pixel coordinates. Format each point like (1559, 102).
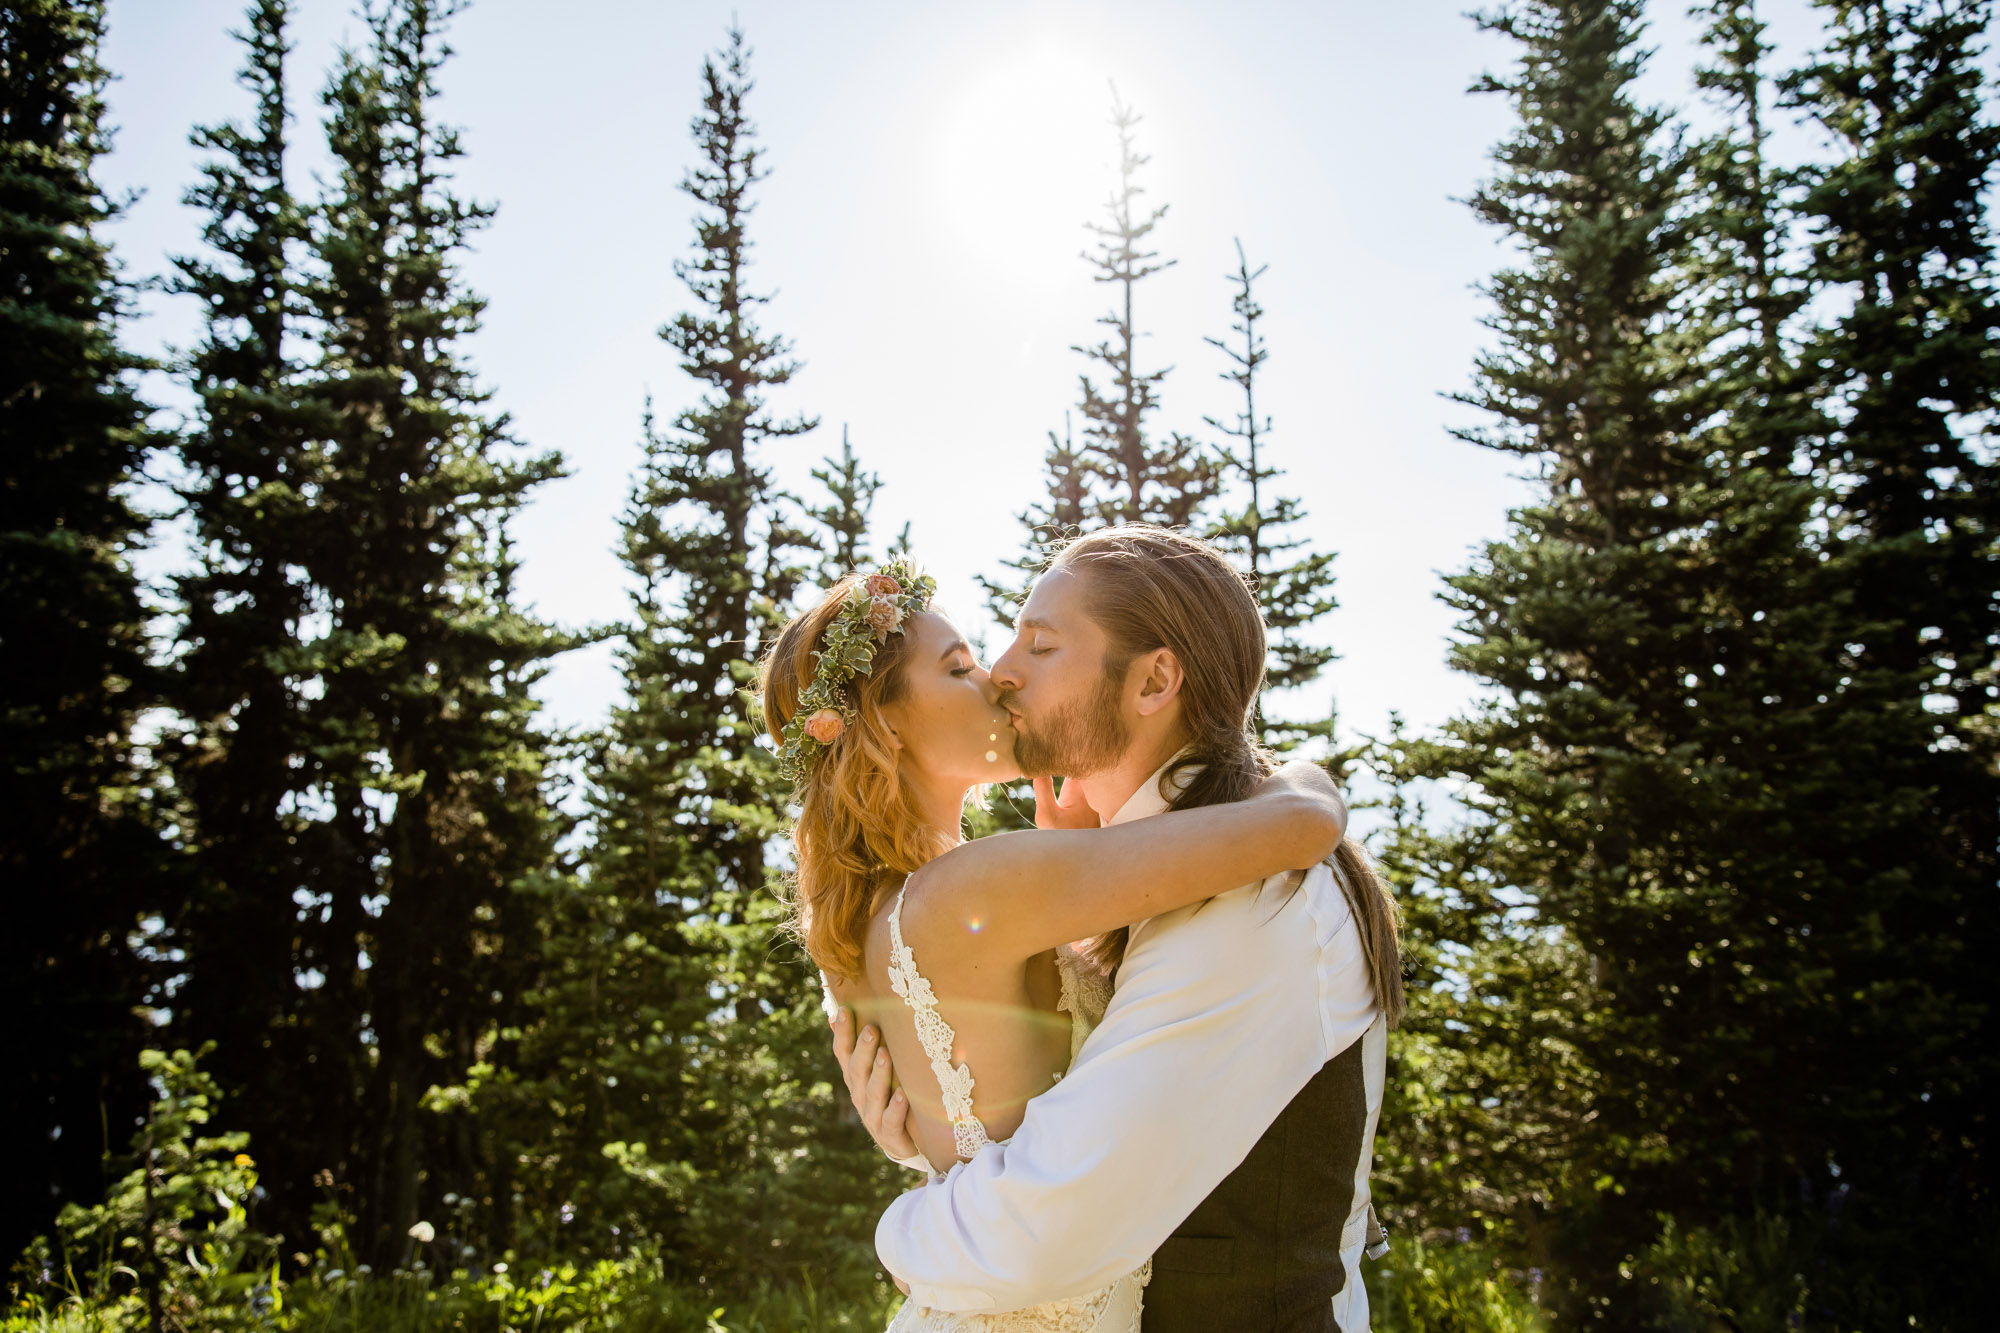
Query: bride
(960, 952)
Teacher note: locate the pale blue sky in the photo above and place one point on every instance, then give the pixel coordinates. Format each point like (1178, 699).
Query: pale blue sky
(932, 169)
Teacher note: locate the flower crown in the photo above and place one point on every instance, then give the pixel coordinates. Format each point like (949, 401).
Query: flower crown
(873, 609)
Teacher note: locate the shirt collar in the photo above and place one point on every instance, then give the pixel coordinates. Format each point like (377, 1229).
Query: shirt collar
(1148, 800)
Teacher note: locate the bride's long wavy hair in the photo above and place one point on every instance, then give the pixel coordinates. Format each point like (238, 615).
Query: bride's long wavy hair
(858, 829)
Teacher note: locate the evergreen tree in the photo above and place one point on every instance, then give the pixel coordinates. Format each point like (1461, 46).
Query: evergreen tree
(1133, 477)
(850, 497)
(1686, 776)
(679, 1032)
(1909, 370)
(1119, 472)
(1294, 591)
(1062, 515)
(1488, 1107)
(429, 777)
(81, 850)
(241, 679)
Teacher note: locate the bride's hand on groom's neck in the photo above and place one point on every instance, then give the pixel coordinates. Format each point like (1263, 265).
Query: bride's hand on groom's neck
(1063, 808)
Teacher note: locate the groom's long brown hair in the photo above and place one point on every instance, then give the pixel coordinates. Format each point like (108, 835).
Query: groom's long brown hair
(1150, 588)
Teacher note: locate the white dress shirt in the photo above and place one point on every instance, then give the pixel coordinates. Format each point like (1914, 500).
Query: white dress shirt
(1222, 1014)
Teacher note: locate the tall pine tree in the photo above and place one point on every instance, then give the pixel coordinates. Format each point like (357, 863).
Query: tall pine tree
(428, 777)
(1120, 471)
(1294, 584)
(81, 851)
(1909, 371)
(1135, 477)
(844, 516)
(242, 680)
(679, 1032)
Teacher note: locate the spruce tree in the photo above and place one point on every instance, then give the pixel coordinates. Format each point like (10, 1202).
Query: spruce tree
(1134, 477)
(679, 1032)
(1899, 232)
(429, 778)
(1062, 515)
(240, 679)
(1683, 775)
(81, 851)
(850, 497)
(1119, 472)
(1294, 584)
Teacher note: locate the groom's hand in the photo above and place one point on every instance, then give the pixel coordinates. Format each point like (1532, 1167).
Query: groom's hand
(865, 1065)
(1065, 808)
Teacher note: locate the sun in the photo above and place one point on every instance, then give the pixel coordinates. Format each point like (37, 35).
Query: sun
(1022, 154)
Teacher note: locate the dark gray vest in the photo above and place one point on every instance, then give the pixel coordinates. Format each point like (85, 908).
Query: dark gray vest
(1263, 1251)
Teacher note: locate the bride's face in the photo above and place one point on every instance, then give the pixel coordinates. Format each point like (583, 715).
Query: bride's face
(951, 730)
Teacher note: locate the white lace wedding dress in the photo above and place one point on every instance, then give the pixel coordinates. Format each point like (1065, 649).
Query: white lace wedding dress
(1085, 993)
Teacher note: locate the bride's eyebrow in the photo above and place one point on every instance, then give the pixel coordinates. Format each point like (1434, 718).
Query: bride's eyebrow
(957, 646)
(1036, 623)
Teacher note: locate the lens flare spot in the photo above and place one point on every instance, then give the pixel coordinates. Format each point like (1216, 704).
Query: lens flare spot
(974, 924)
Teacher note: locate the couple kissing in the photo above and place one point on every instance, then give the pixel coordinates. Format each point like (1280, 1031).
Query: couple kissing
(1137, 1051)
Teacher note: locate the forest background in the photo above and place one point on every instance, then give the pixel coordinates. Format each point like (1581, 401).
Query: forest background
(398, 878)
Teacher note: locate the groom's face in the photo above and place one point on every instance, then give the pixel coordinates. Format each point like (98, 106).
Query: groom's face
(1066, 706)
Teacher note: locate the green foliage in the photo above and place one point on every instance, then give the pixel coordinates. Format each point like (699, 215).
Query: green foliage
(1448, 1287)
(630, 1295)
(172, 1244)
(1487, 1098)
(81, 845)
(1742, 1276)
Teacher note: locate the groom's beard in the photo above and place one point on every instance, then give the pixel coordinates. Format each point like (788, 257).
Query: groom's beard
(1078, 738)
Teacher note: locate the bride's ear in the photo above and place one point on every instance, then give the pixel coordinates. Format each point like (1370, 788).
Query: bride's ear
(887, 723)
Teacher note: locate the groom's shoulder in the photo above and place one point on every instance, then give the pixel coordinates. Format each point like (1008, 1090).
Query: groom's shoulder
(1295, 913)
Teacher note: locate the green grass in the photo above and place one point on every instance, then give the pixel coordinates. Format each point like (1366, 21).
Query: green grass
(628, 1296)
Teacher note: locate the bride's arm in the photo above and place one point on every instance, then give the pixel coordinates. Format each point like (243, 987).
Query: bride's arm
(1013, 895)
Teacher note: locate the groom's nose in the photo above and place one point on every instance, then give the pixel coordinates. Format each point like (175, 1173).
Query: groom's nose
(1005, 673)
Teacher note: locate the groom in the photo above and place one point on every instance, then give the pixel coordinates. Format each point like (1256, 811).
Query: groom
(1221, 1119)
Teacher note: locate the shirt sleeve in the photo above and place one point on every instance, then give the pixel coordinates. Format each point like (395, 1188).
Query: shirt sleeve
(1221, 1015)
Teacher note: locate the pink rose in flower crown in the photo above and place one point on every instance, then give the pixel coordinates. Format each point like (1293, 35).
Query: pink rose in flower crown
(881, 585)
(884, 615)
(825, 726)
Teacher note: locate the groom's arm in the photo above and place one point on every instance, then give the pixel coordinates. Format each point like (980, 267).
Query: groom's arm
(1222, 1014)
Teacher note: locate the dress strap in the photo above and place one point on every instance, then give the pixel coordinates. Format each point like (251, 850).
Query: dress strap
(968, 1135)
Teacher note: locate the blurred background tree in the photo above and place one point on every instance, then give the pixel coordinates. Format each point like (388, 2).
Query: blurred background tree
(83, 847)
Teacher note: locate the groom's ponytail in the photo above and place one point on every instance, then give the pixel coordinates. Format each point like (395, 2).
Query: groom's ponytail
(1374, 914)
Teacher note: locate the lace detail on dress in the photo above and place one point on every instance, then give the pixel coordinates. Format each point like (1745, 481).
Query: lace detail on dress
(968, 1135)
(1113, 1309)
(1086, 994)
